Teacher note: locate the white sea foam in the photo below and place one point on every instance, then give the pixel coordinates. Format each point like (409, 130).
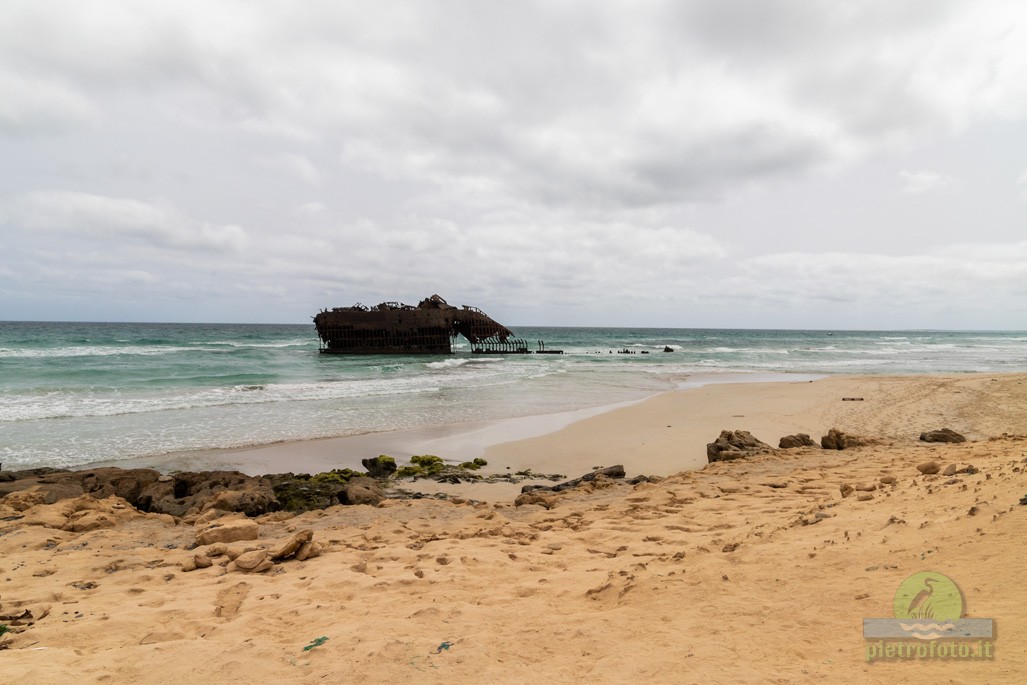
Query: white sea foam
(90, 351)
(447, 363)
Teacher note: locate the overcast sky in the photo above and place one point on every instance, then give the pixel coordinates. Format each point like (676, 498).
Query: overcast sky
(698, 163)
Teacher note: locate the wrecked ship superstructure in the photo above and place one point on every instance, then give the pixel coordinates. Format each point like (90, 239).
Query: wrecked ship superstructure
(396, 328)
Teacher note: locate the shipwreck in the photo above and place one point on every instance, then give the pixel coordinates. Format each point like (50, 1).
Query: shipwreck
(428, 328)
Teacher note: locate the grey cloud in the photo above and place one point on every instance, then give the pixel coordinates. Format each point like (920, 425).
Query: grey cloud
(537, 151)
(86, 215)
(919, 182)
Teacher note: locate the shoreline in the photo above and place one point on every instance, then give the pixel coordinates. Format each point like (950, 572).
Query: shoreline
(659, 435)
(453, 442)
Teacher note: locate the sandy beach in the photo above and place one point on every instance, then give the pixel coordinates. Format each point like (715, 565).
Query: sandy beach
(760, 569)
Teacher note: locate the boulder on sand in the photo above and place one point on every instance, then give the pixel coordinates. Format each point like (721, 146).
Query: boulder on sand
(228, 530)
(797, 440)
(381, 466)
(942, 435)
(838, 440)
(735, 445)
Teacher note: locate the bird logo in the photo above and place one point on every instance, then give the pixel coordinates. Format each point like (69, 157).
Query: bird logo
(927, 605)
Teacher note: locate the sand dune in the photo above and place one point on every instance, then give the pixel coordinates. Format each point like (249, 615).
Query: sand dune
(756, 570)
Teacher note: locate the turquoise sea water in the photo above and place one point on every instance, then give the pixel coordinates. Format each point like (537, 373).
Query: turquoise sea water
(75, 393)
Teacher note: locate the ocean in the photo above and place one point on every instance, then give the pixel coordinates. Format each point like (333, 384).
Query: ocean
(78, 393)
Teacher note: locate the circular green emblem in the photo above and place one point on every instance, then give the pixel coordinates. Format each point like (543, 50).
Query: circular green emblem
(929, 595)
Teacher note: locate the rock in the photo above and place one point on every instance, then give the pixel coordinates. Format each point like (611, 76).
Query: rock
(293, 545)
(209, 516)
(942, 435)
(200, 491)
(216, 550)
(846, 489)
(838, 440)
(256, 561)
(928, 468)
(202, 561)
(606, 473)
(80, 514)
(599, 482)
(231, 530)
(14, 493)
(887, 480)
(864, 497)
(381, 466)
(735, 445)
(302, 493)
(126, 483)
(797, 440)
(542, 497)
(950, 470)
(308, 551)
(361, 491)
(84, 521)
(252, 501)
(599, 478)
(23, 500)
(866, 487)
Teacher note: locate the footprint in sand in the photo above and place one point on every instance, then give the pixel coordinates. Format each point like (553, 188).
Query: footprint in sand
(230, 599)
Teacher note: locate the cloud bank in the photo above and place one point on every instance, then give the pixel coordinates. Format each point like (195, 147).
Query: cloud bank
(710, 163)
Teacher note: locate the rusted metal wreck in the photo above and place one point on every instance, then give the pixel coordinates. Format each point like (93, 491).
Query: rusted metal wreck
(396, 328)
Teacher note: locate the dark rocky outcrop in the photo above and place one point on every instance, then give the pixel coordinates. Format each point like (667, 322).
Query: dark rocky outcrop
(611, 472)
(193, 491)
(735, 445)
(942, 435)
(149, 491)
(797, 440)
(381, 466)
(303, 492)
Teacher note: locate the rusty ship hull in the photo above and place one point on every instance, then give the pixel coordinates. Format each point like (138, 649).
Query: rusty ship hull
(396, 328)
